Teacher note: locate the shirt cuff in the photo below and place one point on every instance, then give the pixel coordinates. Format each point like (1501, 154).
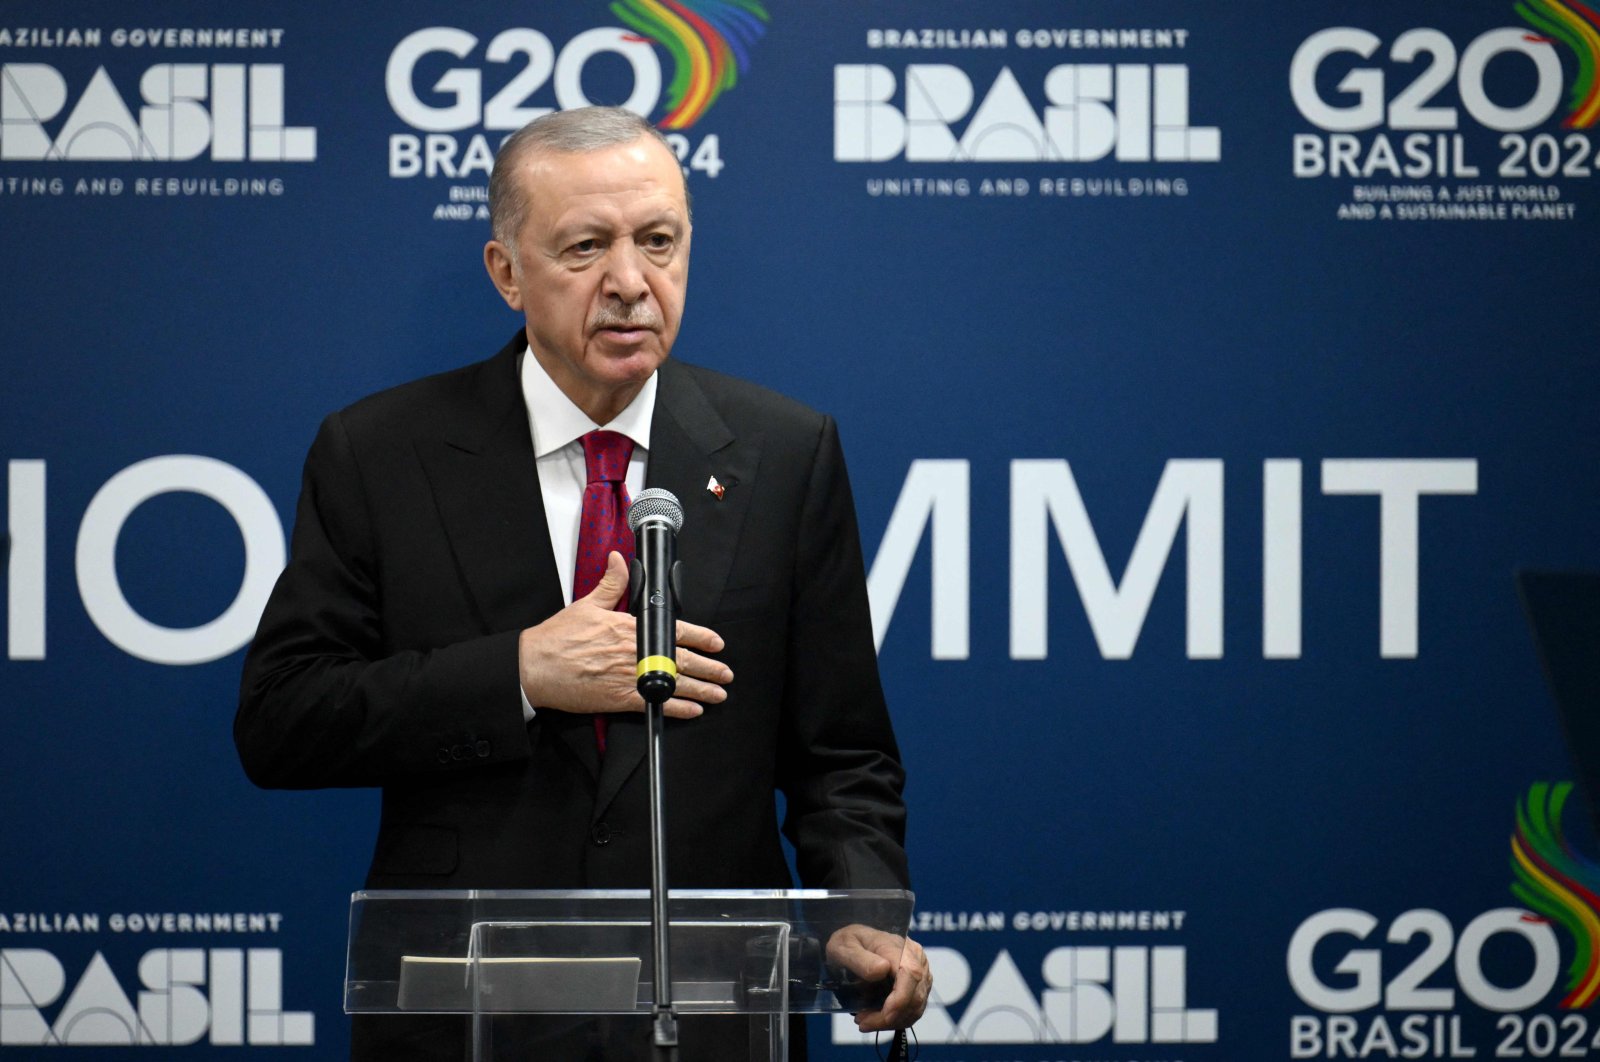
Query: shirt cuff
(527, 709)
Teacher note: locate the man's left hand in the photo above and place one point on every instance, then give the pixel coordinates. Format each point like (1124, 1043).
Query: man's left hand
(874, 955)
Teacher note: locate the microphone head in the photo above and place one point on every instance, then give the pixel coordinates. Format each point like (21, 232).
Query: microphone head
(658, 504)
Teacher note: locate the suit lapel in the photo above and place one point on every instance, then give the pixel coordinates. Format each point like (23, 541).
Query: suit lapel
(482, 473)
(486, 484)
(689, 444)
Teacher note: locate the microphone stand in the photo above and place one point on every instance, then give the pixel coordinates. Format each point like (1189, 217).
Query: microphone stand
(654, 608)
(664, 1021)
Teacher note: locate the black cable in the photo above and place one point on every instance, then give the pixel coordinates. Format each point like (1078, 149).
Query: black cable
(899, 1050)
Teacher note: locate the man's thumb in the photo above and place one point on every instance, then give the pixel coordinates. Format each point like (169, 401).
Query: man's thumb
(612, 585)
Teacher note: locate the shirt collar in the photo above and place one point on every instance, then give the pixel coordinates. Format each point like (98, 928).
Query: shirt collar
(556, 421)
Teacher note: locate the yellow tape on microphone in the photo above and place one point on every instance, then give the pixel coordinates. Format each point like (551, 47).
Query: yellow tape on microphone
(657, 663)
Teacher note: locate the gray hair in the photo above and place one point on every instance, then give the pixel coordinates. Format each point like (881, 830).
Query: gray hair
(581, 130)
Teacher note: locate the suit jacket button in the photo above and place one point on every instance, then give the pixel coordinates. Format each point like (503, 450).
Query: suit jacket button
(444, 754)
(483, 749)
(600, 833)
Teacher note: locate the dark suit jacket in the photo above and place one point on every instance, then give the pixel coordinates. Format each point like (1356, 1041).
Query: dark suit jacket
(387, 655)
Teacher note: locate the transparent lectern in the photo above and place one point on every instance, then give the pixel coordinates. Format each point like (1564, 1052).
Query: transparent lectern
(765, 954)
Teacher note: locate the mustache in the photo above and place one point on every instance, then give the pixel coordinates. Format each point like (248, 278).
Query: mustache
(634, 316)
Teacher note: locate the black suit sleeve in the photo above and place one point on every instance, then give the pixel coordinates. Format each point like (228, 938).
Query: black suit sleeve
(325, 700)
(839, 765)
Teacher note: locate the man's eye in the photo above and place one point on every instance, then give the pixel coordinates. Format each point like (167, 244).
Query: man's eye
(658, 241)
(586, 246)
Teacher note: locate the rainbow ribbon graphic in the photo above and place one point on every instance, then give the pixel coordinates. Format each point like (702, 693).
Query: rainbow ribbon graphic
(709, 41)
(1558, 883)
(1578, 27)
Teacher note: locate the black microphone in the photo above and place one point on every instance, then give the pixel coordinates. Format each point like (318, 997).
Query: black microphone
(655, 517)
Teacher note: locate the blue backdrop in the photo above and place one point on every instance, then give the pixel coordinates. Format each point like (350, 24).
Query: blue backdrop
(1205, 372)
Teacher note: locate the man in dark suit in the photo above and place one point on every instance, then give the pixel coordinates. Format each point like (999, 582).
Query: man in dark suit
(426, 636)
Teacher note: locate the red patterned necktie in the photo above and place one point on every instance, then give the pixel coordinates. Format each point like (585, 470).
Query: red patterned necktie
(603, 526)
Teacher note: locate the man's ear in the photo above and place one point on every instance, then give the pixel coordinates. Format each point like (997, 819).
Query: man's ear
(497, 260)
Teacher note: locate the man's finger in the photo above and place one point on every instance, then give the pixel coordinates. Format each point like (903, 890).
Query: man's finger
(905, 1003)
(864, 950)
(875, 956)
(678, 708)
(894, 1011)
(868, 965)
(612, 585)
(702, 667)
(691, 689)
(697, 637)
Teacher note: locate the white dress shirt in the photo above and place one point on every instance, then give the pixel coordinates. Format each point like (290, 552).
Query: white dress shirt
(558, 428)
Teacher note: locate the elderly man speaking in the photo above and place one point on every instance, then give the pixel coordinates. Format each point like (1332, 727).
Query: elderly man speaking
(447, 626)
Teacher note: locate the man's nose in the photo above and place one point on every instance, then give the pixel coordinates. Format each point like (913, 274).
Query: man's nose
(624, 277)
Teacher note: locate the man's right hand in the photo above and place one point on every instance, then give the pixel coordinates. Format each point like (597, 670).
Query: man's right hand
(585, 657)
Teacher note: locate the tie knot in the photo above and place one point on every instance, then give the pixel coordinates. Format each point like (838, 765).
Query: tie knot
(605, 455)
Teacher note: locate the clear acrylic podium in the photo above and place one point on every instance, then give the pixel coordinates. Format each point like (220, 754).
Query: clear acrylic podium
(765, 954)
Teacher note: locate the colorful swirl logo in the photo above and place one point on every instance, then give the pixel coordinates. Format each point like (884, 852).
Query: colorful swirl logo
(709, 41)
(1578, 27)
(1559, 884)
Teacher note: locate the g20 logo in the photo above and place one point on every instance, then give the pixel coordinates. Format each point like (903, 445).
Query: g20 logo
(709, 53)
(508, 108)
(1342, 87)
(1364, 984)
(1411, 107)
